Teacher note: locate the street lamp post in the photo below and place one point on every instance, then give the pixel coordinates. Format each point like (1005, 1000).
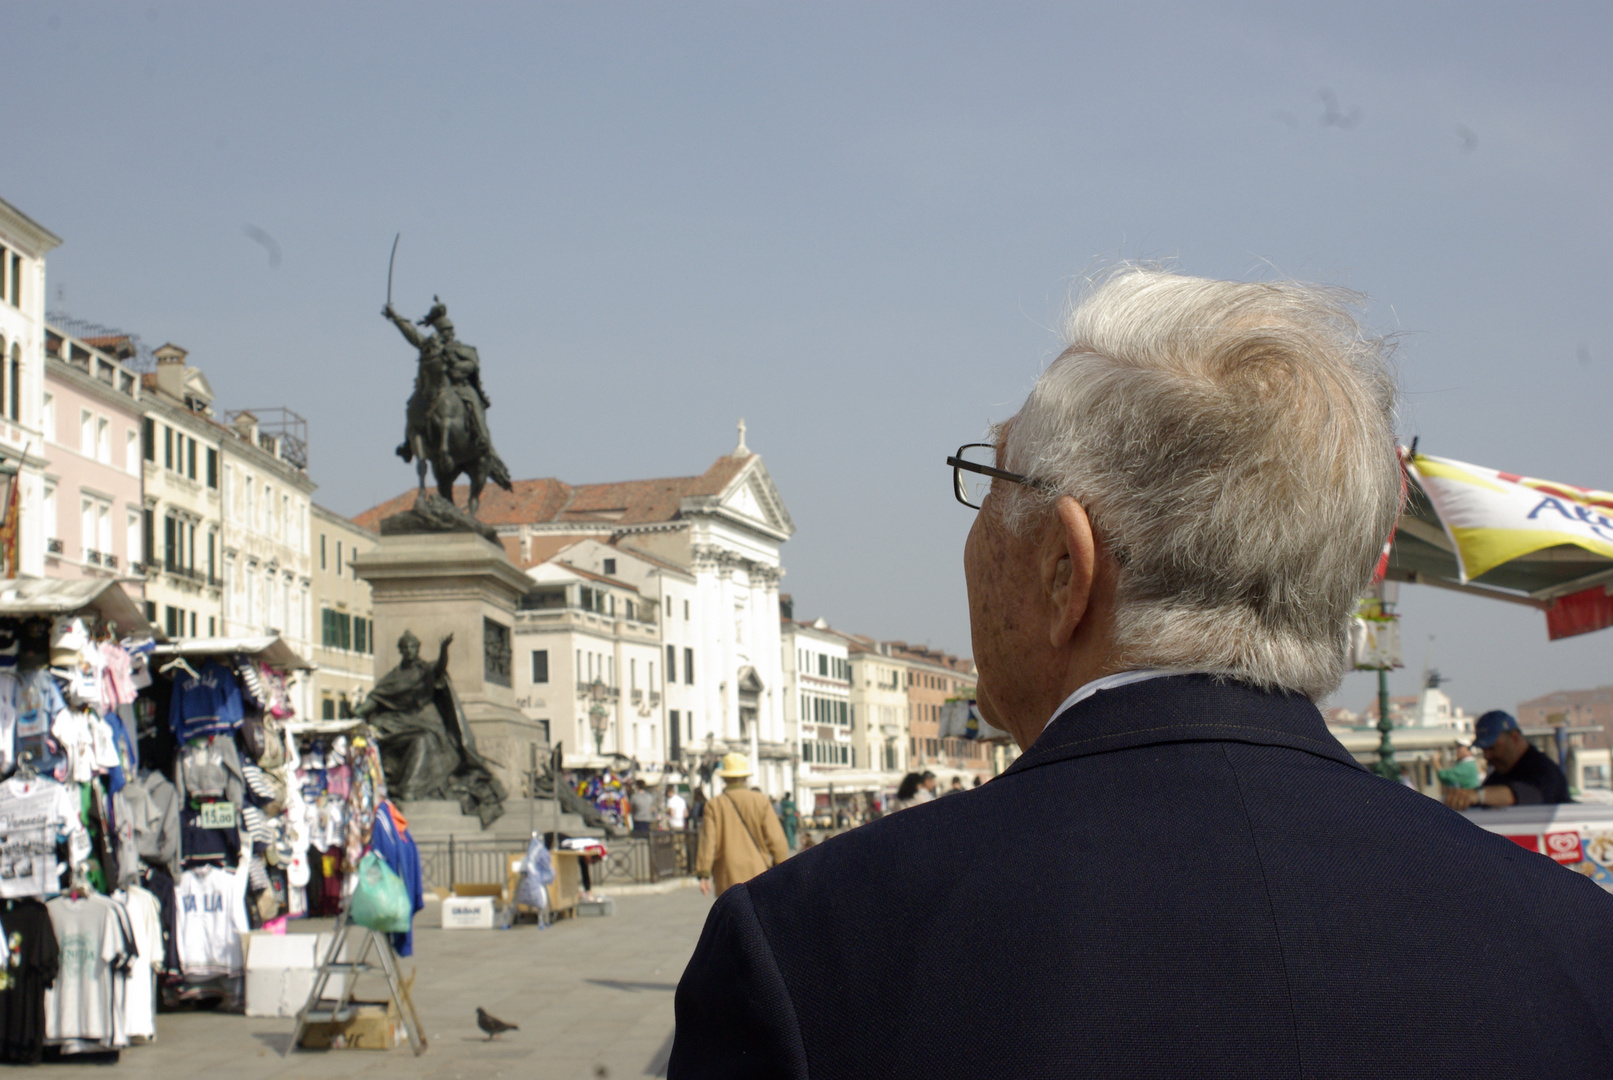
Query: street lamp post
(598, 717)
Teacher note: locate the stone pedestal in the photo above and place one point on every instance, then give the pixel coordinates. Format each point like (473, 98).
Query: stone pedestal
(436, 584)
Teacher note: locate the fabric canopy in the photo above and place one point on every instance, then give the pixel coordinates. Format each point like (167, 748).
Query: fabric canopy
(1508, 537)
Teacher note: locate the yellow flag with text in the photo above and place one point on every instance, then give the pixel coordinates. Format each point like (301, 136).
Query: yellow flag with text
(1493, 517)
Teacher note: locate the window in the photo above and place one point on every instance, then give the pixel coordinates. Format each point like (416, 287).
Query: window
(133, 552)
(148, 542)
(610, 567)
(540, 665)
(322, 564)
(823, 664)
(131, 451)
(167, 447)
(671, 661)
(338, 558)
(688, 667)
(212, 626)
(86, 433)
(190, 464)
(47, 419)
(103, 440)
(148, 439)
(363, 635)
(16, 302)
(212, 468)
(336, 629)
(16, 364)
(103, 528)
(170, 542)
(686, 611)
(212, 555)
(669, 607)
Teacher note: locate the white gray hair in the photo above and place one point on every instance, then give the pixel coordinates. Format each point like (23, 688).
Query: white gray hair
(1233, 445)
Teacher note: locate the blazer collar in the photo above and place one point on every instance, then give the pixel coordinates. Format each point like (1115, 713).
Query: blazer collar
(1183, 708)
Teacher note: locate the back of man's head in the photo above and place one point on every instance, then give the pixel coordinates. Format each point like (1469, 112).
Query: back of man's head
(1233, 445)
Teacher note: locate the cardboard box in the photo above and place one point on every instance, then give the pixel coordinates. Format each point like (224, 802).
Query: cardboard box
(374, 1025)
(467, 913)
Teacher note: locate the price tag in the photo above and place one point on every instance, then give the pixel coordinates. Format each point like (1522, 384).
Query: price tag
(218, 815)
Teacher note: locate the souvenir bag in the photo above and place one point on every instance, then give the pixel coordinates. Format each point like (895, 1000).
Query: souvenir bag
(380, 899)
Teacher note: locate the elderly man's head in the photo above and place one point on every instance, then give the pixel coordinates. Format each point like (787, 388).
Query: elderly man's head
(1211, 477)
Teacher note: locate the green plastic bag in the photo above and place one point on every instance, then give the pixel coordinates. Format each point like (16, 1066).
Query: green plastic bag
(380, 900)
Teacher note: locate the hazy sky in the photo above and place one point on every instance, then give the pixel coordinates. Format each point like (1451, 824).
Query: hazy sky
(855, 225)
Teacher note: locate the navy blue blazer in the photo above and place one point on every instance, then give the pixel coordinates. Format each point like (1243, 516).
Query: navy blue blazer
(1182, 877)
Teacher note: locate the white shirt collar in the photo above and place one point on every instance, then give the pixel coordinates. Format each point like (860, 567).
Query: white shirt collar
(1108, 682)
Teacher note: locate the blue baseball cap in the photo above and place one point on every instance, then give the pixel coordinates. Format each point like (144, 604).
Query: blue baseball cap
(1490, 727)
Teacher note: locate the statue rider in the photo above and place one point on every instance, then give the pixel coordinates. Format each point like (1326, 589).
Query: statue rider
(462, 368)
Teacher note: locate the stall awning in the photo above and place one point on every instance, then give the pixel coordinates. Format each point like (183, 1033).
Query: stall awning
(271, 649)
(60, 596)
(852, 780)
(1508, 537)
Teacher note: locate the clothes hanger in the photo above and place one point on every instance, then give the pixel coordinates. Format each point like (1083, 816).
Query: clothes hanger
(179, 662)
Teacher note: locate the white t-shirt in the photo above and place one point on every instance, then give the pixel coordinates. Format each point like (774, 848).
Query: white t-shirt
(677, 810)
(10, 695)
(33, 813)
(79, 1004)
(212, 917)
(140, 998)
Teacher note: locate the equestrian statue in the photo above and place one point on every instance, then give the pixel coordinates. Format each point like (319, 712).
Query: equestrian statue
(447, 414)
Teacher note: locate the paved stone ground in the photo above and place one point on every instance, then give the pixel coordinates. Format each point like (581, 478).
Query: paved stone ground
(592, 996)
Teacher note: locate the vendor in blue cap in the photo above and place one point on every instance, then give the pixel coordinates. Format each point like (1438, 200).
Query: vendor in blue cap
(1519, 775)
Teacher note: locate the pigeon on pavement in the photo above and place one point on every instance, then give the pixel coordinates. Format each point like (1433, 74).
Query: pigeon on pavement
(492, 1024)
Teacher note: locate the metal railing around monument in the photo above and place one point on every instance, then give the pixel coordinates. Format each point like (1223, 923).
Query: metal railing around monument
(642, 858)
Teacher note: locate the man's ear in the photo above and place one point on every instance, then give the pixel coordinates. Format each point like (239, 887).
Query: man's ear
(1069, 567)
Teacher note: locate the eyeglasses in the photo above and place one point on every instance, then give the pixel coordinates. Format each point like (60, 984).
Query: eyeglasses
(974, 468)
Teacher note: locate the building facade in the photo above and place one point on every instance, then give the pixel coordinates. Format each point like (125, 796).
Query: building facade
(93, 510)
(24, 243)
(586, 663)
(182, 522)
(932, 679)
(818, 709)
(343, 650)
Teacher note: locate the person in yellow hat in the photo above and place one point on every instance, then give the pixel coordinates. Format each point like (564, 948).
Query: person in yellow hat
(740, 836)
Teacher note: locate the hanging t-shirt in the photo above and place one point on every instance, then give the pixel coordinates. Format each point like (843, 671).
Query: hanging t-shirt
(30, 964)
(10, 699)
(140, 993)
(79, 1006)
(38, 704)
(33, 813)
(116, 686)
(208, 702)
(212, 917)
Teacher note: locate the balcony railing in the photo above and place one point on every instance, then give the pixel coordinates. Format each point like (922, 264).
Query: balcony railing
(110, 561)
(53, 546)
(638, 696)
(92, 556)
(189, 572)
(609, 693)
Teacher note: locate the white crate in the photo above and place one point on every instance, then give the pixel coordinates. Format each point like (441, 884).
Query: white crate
(467, 913)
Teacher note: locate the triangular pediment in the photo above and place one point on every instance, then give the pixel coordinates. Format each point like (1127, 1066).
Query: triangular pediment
(751, 496)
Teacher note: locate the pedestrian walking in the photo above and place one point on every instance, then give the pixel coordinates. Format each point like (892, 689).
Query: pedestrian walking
(790, 819)
(740, 836)
(677, 809)
(907, 792)
(642, 805)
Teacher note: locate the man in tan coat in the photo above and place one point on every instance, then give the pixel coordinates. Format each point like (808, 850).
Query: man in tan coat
(740, 836)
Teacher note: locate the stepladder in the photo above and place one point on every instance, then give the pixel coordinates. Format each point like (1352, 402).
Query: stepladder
(348, 958)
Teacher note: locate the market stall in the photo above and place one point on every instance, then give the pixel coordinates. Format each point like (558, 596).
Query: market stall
(72, 657)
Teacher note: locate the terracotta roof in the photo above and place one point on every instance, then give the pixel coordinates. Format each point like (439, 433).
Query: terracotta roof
(589, 575)
(628, 502)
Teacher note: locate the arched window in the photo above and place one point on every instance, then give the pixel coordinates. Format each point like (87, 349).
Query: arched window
(15, 401)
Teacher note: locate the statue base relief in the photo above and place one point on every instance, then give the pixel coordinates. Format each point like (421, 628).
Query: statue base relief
(434, 514)
(433, 584)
